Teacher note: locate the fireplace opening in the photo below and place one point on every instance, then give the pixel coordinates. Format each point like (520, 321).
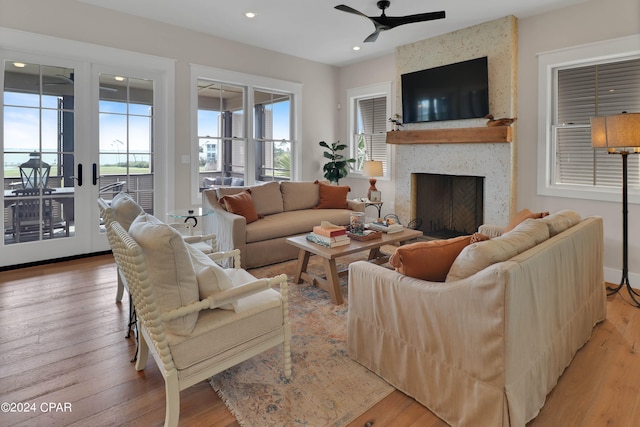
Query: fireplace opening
(449, 205)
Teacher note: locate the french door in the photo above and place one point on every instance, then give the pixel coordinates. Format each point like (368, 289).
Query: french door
(72, 131)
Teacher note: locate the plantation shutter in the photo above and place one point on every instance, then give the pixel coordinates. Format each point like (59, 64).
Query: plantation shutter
(585, 92)
(373, 113)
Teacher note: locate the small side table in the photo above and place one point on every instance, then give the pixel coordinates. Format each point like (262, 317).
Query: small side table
(378, 206)
(190, 216)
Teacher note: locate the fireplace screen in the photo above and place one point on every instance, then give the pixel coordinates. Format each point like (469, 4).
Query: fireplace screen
(449, 205)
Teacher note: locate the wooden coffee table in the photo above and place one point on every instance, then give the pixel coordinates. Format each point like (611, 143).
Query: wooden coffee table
(331, 280)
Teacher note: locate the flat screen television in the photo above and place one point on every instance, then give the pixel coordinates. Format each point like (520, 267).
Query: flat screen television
(450, 92)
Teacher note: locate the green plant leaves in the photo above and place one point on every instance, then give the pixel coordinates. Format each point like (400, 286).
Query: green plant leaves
(338, 166)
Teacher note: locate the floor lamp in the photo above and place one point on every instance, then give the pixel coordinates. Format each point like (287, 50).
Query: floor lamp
(620, 134)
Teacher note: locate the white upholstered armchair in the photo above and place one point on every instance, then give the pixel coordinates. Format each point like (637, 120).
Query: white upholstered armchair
(196, 318)
(124, 210)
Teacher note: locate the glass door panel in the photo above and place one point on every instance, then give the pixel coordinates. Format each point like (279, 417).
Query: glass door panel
(38, 151)
(126, 138)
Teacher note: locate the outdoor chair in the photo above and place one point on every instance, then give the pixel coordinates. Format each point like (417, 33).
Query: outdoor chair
(196, 318)
(111, 189)
(32, 213)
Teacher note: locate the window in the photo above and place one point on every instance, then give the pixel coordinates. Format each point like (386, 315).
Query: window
(247, 128)
(221, 132)
(592, 83)
(369, 111)
(272, 129)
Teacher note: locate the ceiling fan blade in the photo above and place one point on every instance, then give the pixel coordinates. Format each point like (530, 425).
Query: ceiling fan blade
(348, 9)
(65, 81)
(394, 21)
(65, 78)
(384, 22)
(372, 37)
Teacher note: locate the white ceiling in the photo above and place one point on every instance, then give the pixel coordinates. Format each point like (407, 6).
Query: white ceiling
(314, 30)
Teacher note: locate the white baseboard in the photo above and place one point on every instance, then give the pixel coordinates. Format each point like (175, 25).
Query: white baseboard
(611, 275)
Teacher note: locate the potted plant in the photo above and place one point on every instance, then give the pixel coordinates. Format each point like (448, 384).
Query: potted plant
(338, 166)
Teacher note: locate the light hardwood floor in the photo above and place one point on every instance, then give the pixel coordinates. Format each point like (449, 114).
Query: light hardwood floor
(62, 340)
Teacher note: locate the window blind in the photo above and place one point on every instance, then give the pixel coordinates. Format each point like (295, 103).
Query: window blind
(582, 93)
(373, 126)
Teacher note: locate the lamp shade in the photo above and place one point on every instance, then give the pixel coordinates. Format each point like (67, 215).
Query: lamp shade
(618, 131)
(372, 168)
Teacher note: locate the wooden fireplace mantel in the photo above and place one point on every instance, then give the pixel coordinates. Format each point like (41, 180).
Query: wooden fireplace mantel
(451, 136)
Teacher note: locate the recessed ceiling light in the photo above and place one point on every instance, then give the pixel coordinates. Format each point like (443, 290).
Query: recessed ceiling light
(356, 48)
(19, 64)
(119, 78)
(250, 15)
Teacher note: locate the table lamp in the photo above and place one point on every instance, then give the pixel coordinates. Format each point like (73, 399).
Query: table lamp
(620, 134)
(372, 169)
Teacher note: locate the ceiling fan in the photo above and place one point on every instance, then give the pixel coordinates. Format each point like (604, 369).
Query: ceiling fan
(384, 22)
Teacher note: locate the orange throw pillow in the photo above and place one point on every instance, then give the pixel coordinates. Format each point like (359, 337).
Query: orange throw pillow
(333, 196)
(428, 260)
(478, 237)
(241, 204)
(521, 216)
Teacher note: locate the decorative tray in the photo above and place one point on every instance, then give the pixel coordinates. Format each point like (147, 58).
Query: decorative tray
(369, 235)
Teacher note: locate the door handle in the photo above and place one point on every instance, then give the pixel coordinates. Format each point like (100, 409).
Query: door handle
(95, 174)
(79, 175)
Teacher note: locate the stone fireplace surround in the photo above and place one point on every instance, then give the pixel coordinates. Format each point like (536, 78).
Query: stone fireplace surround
(491, 161)
(494, 161)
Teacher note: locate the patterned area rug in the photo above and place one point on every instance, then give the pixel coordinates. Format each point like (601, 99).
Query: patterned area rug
(326, 388)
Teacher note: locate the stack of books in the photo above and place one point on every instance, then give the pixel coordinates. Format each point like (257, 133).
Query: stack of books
(386, 228)
(329, 235)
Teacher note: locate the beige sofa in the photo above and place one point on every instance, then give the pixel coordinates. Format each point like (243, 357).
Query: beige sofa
(285, 208)
(485, 347)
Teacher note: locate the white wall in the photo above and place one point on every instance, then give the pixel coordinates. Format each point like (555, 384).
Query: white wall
(584, 23)
(82, 22)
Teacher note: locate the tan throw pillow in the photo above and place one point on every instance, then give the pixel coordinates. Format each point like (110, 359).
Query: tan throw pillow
(333, 196)
(299, 195)
(170, 269)
(267, 198)
(241, 204)
(561, 220)
(428, 260)
(211, 277)
(478, 256)
(521, 216)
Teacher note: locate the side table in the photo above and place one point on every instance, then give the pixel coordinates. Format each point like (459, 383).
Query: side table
(190, 217)
(378, 206)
